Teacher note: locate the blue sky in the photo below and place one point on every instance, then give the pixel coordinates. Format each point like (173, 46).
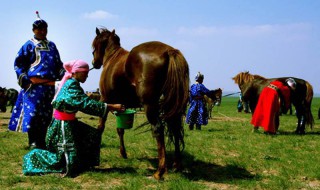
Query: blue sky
(273, 38)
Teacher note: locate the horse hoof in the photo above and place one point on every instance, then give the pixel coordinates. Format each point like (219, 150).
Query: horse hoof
(157, 176)
(177, 167)
(123, 155)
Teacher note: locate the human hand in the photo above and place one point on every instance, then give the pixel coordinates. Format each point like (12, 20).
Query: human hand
(116, 107)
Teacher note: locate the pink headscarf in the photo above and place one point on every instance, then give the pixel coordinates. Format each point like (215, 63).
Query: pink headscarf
(72, 67)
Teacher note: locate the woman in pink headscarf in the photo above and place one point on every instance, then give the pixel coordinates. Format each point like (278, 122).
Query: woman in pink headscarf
(72, 146)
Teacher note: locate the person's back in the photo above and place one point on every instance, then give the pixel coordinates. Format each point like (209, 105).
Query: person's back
(197, 113)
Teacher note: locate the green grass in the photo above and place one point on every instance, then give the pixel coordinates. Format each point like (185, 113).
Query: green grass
(225, 154)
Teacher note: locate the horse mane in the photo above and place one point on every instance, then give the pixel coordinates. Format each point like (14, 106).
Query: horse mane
(245, 77)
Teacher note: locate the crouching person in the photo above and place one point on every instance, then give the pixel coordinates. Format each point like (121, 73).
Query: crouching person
(72, 146)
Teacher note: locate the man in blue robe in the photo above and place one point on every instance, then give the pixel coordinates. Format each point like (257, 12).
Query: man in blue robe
(197, 113)
(37, 66)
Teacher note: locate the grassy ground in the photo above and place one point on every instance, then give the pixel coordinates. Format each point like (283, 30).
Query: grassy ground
(225, 154)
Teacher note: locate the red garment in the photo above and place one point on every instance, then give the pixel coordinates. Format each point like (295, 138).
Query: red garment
(63, 115)
(266, 114)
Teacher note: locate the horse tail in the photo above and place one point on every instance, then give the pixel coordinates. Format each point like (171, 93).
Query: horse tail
(176, 87)
(308, 101)
(175, 96)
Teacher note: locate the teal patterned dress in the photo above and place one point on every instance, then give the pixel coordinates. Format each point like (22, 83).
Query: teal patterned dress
(72, 146)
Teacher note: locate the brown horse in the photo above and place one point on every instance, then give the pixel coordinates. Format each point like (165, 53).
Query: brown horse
(152, 74)
(252, 85)
(214, 99)
(8, 97)
(94, 95)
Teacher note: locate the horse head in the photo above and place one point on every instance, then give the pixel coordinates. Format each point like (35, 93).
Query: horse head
(244, 77)
(218, 96)
(105, 43)
(215, 95)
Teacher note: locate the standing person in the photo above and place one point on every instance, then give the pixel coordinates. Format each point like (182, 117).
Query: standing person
(197, 113)
(242, 105)
(273, 98)
(37, 66)
(72, 146)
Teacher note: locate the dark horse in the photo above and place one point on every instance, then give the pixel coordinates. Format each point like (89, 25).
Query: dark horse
(7, 97)
(252, 85)
(152, 74)
(212, 99)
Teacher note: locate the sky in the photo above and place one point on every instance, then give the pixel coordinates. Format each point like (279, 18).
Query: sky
(219, 38)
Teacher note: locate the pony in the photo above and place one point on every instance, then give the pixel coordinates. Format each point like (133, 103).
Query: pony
(152, 74)
(252, 85)
(215, 99)
(94, 95)
(8, 97)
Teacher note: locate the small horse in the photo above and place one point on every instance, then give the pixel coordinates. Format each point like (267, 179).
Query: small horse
(252, 85)
(153, 74)
(215, 99)
(8, 97)
(94, 95)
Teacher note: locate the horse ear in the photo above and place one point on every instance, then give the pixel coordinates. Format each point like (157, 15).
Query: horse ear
(97, 31)
(115, 37)
(113, 32)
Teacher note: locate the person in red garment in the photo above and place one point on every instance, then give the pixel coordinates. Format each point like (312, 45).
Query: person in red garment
(274, 99)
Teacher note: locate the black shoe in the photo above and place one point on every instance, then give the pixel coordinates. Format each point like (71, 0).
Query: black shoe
(198, 127)
(191, 127)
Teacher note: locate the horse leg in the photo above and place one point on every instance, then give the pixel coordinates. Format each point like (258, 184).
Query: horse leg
(12, 108)
(301, 122)
(175, 126)
(122, 147)
(102, 124)
(158, 133)
(101, 127)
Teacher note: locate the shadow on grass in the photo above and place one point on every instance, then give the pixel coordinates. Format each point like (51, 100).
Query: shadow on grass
(115, 170)
(199, 170)
(292, 133)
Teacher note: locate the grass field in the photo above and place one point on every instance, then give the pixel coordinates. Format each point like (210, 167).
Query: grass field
(225, 154)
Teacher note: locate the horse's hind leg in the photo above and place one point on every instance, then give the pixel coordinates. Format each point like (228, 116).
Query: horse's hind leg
(176, 128)
(122, 147)
(301, 125)
(158, 133)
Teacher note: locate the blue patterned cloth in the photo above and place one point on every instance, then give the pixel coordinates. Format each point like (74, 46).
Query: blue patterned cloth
(40, 59)
(32, 109)
(197, 113)
(72, 146)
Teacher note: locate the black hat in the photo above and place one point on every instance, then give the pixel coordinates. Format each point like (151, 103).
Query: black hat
(199, 76)
(39, 23)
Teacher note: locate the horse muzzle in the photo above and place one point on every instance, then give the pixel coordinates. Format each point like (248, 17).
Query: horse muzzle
(96, 65)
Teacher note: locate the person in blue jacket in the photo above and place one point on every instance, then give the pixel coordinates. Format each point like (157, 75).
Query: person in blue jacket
(38, 66)
(197, 113)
